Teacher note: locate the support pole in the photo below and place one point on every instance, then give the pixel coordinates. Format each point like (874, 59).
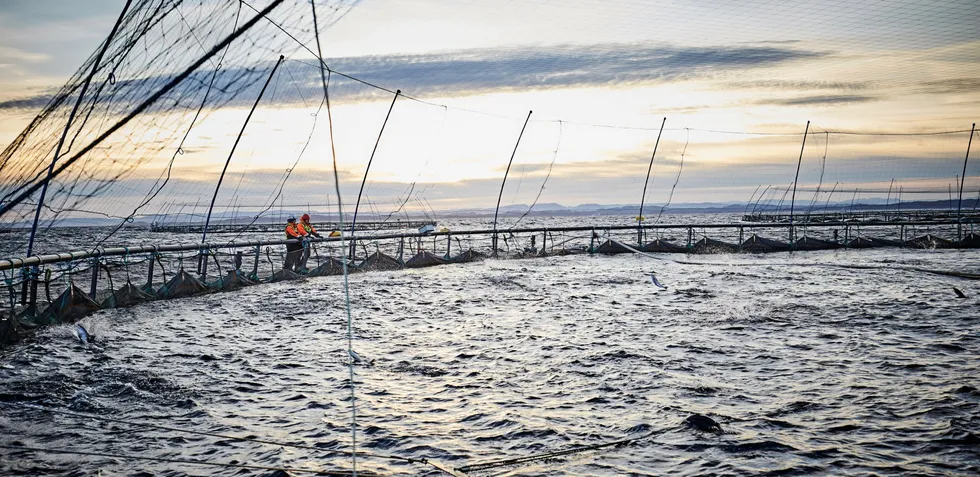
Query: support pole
(504, 182)
(217, 187)
(202, 261)
(32, 306)
(149, 275)
(797, 178)
(255, 264)
(639, 218)
(357, 204)
(95, 278)
(959, 205)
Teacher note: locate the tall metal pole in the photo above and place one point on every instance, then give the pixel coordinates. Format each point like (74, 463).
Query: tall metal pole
(797, 178)
(71, 117)
(639, 218)
(959, 205)
(499, 196)
(357, 204)
(217, 187)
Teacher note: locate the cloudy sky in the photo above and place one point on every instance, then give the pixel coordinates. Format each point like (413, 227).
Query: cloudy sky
(736, 82)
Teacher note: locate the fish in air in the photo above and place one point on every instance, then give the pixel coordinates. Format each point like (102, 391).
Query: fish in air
(82, 334)
(653, 279)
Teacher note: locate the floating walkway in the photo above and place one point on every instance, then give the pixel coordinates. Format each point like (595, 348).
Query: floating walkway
(62, 288)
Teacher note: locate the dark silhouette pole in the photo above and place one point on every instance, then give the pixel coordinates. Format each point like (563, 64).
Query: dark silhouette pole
(639, 218)
(499, 196)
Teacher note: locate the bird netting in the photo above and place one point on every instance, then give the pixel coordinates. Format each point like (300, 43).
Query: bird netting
(210, 117)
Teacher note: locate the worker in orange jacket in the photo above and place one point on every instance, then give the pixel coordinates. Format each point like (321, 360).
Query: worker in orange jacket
(294, 251)
(310, 231)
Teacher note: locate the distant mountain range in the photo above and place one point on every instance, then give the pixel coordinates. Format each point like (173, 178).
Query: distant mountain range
(551, 209)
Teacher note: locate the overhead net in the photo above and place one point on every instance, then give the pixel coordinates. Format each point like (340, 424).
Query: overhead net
(168, 116)
(143, 143)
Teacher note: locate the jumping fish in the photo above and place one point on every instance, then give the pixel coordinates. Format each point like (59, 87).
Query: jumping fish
(356, 359)
(82, 334)
(653, 279)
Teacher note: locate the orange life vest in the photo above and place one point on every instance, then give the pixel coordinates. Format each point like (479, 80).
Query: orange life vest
(307, 228)
(294, 231)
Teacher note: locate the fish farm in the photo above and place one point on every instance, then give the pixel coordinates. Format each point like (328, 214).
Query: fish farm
(150, 272)
(277, 241)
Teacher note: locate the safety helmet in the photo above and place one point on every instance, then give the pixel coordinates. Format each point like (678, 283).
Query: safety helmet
(292, 218)
(306, 217)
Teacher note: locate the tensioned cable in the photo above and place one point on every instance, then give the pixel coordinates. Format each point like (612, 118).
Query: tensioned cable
(282, 183)
(823, 168)
(408, 195)
(543, 184)
(553, 454)
(174, 461)
(680, 168)
(343, 244)
(206, 434)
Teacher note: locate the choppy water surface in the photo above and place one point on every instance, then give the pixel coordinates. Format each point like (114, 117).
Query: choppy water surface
(809, 369)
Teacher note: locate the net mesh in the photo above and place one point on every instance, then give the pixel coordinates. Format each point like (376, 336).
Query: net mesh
(146, 148)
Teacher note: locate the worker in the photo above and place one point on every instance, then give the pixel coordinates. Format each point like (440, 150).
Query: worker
(307, 226)
(310, 231)
(294, 250)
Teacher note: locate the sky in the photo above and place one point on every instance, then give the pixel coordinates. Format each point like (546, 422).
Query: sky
(736, 81)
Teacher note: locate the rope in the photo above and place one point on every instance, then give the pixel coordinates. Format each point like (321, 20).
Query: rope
(206, 434)
(112, 286)
(554, 158)
(343, 241)
(677, 180)
(553, 454)
(175, 461)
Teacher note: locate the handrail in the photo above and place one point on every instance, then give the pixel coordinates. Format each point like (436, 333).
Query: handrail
(14, 263)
